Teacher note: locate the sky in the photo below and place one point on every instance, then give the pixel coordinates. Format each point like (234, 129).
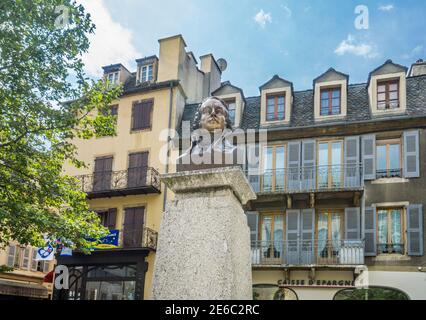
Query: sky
(295, 39)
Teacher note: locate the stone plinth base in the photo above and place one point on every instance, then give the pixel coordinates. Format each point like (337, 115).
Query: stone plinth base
(203, 250)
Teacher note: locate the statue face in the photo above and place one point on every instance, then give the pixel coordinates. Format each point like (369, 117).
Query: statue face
(213, 115)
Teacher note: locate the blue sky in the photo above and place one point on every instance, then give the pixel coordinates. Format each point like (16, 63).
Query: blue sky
(297, 40)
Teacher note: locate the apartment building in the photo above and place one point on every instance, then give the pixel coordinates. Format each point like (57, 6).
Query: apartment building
(340, 183)
(122, 179)
(26, 280)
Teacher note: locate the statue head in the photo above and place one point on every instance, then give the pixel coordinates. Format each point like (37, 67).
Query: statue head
(212, 115)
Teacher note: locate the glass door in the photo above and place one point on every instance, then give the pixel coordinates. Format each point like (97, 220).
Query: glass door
(329, 235)
(273, 169)
(330, 159)
(272, 236)
(389, 231)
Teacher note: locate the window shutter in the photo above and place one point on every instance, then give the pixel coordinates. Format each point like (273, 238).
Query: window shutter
(307, 236)
(137, 173)
(415, 230)
(34, 262)
(26, 258)
(253, 224)
(370, 231)
(133, 227)
(11, 256)
(369, 157)
(411, 154)
(102, 174)
(352, 224)
(146, 114)
(308, 164)
(253, 166)
(46, 266)
(352, 172)
(293, 163)
(292, 236)
(111, 218)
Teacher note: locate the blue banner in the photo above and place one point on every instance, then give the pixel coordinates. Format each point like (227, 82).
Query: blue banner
(108, 242)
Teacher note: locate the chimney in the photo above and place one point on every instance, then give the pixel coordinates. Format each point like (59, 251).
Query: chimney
(212, 72)
(418, 68)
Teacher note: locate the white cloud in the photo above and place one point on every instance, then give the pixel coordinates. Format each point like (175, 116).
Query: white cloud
(387, 7)
(350, 46)
(261, 18)
(111, 43)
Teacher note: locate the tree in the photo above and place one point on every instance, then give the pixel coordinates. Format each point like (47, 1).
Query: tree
(41, 45)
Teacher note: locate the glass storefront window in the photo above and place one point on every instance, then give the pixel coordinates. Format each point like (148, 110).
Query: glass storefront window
(272, 292)
(372, 293)
(110, 290)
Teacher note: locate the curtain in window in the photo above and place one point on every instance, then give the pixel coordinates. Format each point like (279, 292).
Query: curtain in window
(396, 230)
(266, 235)
(278, 236)
(383, 227)
(336, 232)
(322, 234)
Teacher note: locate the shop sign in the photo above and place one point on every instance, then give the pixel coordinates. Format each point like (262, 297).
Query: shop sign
(317, 283)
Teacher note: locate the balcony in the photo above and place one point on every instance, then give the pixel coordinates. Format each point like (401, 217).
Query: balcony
(307, 179)
(132, 239)
(120, 183)
(343, 253)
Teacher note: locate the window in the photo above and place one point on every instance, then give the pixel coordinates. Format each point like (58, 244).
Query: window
(146, 73)
(272, 235)
(273, 169)
(272, 292)
(387, 95)
(12, 256)
(330, 102)
(372, 293)
(133, 227)
(112, 111)
(329, 229)
(141, 115)
(108, 218)
(275, 108)
(389, 231)
(26, 258)
(231, 110)
(329, 171)
(388, 159)
(113, 78)
(102, 175)
(40, 266)
(137, 173)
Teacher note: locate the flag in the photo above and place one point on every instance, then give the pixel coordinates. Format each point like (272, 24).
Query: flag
(45, 254)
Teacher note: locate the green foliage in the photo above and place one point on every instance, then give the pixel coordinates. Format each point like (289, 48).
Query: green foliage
(40, 68)
(4, 268)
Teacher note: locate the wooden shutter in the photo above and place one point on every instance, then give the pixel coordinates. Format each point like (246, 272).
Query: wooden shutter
(102, 174)
(46, 266)
(352, 172)
(307, 247)
(133, 227)
(111, 218)
(411, 154)
(11, 256)
(138, 166)
(253, 223)
(370, 231)
(141, 115)
(26, 258)
(34, 262)
(369, 156)
(292, 236)
(308, 164)
(352, 224)
(293, 164)
(415, 230)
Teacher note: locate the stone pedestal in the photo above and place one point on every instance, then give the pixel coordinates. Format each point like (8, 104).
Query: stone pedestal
(203, 249)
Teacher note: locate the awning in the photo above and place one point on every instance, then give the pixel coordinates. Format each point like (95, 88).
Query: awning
(30, 290)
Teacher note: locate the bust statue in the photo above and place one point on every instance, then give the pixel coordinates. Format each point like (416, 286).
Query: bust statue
(211, 138)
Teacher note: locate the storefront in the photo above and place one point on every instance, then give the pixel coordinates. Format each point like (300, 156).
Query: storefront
(336, 285)
(16, 290)
(116, 274)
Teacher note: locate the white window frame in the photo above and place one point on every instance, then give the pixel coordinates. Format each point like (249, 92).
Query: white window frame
(113, 77)
(9, 255)
(146, 68)
(26, 257)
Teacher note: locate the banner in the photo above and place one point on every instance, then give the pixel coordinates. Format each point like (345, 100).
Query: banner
(45, 254)
(108, 242)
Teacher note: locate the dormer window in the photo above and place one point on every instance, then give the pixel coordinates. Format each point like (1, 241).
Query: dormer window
(330, 101)
(275, 107)
(113, 78)
(388, 95)
(146, 73)
(232, 107)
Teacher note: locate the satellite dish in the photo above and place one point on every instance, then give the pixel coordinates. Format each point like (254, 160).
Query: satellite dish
(222, 64)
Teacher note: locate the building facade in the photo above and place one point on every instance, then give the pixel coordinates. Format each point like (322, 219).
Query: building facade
(122, 178)
(340, 184)
(26, 280)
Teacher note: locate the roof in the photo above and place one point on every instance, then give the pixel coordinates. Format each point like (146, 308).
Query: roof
(130, 86)
(358, 109)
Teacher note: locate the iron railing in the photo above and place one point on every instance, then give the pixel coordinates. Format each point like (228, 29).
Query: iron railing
(298, 252)
(307, 179)
(149, 238)
(137, 239)
(389, 173)
(398, 248)
(131, 179)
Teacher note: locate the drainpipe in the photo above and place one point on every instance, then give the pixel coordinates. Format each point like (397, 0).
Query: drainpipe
(168, 142)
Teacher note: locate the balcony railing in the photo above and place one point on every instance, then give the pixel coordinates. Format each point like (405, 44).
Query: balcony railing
(115, 183)
(389, 173)
(307, 253)
(149, 238)
(307, 179)
(146, 238)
